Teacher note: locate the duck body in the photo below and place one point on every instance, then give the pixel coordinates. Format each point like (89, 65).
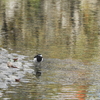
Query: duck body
(37, 60)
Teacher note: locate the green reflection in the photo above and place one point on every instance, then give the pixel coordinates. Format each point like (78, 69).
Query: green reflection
(41, 28)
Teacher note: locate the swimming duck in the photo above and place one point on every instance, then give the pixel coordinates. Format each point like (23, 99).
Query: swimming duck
(38, 59)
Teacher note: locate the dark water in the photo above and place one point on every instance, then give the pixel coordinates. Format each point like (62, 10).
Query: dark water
(67, 34)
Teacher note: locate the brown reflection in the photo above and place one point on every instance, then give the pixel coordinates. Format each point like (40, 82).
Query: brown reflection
(82, 84)
(73, 92)
(81, 94)
(78, 90)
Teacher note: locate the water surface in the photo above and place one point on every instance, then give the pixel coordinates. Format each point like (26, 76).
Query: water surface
(67, 34)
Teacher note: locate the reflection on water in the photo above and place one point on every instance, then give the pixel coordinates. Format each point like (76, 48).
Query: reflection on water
(37, 70)
(67, 34)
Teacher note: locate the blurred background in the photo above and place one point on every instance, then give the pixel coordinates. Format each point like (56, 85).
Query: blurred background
(67, 34)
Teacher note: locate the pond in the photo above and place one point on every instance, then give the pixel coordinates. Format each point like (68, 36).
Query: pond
(66, 33)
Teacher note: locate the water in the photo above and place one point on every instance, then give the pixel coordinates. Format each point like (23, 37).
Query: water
(66, 33)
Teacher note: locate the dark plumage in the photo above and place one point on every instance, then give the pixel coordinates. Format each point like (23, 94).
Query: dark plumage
(38, 58)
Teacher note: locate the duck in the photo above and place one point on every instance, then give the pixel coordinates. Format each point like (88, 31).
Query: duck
(38, 59)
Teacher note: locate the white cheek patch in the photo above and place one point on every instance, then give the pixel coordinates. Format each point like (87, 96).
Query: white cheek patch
(40, 55)
(35, 59)
(42, 59)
